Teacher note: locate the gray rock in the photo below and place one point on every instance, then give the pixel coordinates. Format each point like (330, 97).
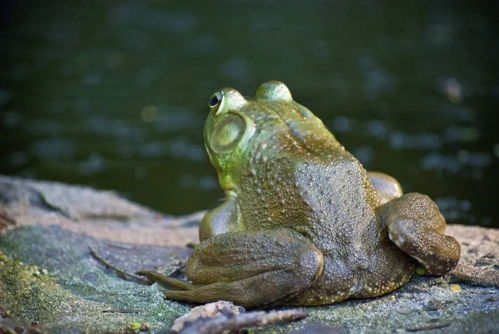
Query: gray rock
(48, 276)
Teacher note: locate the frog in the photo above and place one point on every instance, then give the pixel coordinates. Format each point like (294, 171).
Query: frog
(303, 223)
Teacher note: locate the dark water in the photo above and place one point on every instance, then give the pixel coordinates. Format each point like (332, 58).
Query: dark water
(113, 94)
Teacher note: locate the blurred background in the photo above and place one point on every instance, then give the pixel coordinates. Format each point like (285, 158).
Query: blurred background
(113, 94)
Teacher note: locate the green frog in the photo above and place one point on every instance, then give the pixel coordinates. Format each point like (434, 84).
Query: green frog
(303, 223)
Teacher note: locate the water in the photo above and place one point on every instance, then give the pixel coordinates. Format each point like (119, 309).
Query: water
(113, 94)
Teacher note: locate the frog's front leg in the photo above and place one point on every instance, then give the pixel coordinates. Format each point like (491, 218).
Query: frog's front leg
(417, 227)
(222, 219)
(250, 268)
(386, 186)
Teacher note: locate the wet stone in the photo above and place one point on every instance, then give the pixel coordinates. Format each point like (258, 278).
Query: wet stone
(49, 277)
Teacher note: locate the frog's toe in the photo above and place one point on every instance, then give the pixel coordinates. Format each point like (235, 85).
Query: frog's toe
(417, 227)
(166, 280)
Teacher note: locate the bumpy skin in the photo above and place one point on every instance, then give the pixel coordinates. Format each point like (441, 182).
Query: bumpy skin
(303, 223)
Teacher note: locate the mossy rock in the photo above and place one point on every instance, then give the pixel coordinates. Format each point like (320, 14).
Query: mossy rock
(48, 275)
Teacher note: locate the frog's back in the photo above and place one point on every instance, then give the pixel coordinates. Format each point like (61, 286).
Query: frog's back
(341, 199)
(344, 225)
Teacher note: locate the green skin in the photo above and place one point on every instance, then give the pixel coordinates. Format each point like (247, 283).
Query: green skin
(303, 222)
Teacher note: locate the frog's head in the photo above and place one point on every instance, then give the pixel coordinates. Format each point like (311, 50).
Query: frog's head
(239, 128)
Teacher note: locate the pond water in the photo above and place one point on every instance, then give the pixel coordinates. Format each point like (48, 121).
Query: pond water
(113, 94)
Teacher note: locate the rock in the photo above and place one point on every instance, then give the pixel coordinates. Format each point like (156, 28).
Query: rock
(210, 310)
(48, 277)
(479, 264)
(99, 214)
(223, 317)
(318, 328)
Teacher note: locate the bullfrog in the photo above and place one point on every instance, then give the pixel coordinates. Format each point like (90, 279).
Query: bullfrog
(303, 223)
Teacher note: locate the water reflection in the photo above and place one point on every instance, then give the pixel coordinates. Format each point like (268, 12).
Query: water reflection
(113, 94)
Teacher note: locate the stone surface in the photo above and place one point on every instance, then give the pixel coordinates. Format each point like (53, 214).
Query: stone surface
(48, 276)
(206, 311)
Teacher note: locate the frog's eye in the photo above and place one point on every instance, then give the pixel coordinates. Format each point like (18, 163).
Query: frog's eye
(215, 100)
(227, 133)
(273, 91)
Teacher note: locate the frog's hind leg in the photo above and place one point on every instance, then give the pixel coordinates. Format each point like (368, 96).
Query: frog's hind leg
(417, 227)
(250, 268)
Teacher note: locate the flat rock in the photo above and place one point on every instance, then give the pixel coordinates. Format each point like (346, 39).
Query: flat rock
(48, 276)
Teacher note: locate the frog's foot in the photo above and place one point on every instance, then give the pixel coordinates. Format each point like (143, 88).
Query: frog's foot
(249, 268)
(417, 227)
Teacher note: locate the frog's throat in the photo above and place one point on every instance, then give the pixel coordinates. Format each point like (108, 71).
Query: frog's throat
(226, 182)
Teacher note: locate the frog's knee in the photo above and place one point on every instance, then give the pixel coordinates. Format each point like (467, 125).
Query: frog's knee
(414, 204)
(311, 263)
(415, 209)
